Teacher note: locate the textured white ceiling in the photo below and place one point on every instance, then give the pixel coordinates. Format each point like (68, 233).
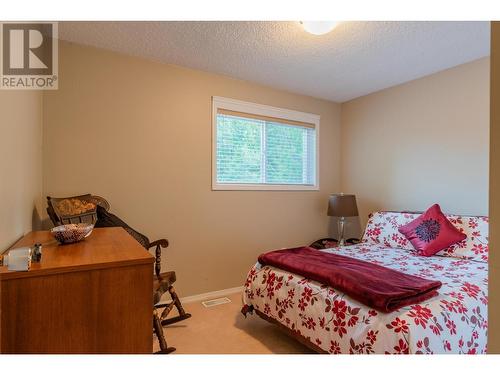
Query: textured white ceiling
(355, 59)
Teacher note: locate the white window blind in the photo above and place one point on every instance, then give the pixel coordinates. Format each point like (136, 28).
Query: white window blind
(257, 150)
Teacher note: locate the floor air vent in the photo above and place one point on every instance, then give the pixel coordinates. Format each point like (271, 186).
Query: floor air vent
(215, 302)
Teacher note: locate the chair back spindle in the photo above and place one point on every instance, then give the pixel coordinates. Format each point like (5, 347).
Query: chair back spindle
(158, 260)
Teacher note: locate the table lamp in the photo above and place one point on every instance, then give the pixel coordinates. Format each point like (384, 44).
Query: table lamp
(342, 206)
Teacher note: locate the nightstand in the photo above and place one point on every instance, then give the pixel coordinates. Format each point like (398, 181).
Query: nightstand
(326, 243)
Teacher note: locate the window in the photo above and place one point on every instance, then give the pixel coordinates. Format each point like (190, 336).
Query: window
(257, 147)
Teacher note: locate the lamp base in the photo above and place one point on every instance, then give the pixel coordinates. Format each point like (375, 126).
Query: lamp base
(341, 225)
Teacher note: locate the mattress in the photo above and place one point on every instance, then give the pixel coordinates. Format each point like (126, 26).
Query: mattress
(455, 321)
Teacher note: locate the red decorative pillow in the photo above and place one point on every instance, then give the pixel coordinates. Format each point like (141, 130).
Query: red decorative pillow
(431, 232)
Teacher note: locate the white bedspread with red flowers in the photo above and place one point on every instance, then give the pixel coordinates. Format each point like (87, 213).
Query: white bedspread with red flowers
(455, 321)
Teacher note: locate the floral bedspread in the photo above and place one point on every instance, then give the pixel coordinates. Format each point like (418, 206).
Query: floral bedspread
(455, 321)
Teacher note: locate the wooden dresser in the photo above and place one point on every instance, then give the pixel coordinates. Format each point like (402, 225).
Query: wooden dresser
(94, 296)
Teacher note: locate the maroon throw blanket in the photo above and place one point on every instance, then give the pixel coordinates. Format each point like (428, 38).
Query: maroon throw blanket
(379, 287)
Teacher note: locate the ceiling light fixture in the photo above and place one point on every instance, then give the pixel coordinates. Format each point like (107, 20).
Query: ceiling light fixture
(319, 27)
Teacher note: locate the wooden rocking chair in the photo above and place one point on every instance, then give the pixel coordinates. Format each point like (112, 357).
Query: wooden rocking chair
(163, 281)
(162, 284)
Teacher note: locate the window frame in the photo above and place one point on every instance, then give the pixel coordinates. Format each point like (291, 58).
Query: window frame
(268, 111)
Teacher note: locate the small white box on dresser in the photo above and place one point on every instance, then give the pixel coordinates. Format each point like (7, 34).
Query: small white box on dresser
(18, 259)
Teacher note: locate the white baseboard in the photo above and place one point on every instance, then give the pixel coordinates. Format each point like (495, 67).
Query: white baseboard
(206, 296)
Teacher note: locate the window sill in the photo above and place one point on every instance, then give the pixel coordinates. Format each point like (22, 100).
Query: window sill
(262, 187)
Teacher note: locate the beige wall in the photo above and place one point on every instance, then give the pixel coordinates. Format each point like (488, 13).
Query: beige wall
(494, 261)
(20, 164)
(425, 141)
(139, 133)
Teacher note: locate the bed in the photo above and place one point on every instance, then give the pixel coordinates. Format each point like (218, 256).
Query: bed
(328, 321)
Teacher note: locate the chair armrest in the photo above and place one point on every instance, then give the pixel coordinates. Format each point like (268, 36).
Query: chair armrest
(162, 243)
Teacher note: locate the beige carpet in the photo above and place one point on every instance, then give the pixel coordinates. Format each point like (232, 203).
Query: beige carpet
(223, 329)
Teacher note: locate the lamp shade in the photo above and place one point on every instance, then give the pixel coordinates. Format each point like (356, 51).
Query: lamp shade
(342, 205)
